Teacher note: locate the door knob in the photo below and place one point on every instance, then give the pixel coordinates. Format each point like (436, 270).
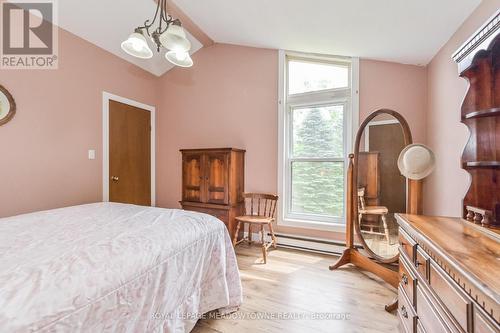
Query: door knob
(114, 178)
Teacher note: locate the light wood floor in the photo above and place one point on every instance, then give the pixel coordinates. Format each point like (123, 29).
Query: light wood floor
(297, 283)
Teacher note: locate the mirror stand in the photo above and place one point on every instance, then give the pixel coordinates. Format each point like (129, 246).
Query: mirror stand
(351, 254)
(361, 203)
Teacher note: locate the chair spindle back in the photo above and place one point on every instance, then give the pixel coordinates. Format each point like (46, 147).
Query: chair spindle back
(361, 197)
(261, 204)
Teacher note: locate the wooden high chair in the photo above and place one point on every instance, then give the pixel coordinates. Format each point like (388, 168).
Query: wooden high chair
(262, 212)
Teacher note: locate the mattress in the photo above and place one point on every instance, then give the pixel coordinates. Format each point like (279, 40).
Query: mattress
(109, 267)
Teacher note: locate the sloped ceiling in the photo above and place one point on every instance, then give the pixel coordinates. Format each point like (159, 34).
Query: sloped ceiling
(404, 31)
(410, 32)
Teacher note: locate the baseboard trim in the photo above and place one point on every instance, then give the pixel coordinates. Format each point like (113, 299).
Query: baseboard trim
(311, 244)
(304, 243)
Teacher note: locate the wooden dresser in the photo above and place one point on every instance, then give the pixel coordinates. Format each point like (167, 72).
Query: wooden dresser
(213, 183)
(449, 273)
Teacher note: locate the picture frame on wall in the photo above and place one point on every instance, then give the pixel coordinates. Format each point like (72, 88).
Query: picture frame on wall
(7, 106)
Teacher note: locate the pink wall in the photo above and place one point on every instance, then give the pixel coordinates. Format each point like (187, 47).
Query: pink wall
(445, 188)
(394, 86)
(229, 98)
(44, 148)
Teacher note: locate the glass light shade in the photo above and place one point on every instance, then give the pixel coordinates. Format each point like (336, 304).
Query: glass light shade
(181, 59)
(137, 46)
(174, 39)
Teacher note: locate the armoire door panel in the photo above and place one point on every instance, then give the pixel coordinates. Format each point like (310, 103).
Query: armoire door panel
(217, 178)
(193, 177)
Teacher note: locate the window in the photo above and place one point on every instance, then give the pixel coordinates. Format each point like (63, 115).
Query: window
(316, 118)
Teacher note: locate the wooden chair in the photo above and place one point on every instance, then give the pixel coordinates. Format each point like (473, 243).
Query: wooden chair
(262, 212)
(379, 211)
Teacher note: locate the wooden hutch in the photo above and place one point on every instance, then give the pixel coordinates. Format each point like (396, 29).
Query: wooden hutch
(213, 182)
(479, 64)
(450, 267)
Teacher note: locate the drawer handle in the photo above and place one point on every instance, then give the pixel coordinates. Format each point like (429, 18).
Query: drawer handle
(404, 278)
(404, 312)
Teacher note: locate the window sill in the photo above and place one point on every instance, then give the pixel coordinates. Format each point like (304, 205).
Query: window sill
(315, 225)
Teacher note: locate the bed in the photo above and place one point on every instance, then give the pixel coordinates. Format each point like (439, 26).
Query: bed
(109, 267)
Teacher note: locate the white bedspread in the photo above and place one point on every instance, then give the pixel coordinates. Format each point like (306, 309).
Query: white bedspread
(114, 268)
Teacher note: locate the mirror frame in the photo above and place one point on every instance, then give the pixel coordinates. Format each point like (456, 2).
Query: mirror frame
(12, 110)
(408, 140)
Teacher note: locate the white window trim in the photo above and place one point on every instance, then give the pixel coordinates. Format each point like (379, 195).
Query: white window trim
(352, 123)
(106, 98)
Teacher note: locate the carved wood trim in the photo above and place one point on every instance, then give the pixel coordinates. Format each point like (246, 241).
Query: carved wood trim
(480, 40)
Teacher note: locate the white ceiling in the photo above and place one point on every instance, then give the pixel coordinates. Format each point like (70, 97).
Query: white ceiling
(106, 23)
(405, 31)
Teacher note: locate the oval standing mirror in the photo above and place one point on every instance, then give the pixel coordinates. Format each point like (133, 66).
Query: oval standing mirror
(381, 189)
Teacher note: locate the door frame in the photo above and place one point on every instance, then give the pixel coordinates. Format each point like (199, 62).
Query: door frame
(106, 98)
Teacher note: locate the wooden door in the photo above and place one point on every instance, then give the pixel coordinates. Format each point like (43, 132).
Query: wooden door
(129, 154)
(217, 178)
(193, 177)
(388, 140)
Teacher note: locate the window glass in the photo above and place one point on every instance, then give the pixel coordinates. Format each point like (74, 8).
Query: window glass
(318, 131)
(318, 188)
(306, 76)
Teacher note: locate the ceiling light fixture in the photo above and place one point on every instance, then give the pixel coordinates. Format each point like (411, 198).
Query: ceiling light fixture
(167, 33)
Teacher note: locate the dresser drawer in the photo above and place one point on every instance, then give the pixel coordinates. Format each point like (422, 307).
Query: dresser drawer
(406, 312)
(407, 244)
(406, 277)
(483, 323)
(457, 302)
(427, 313)
(422, 263)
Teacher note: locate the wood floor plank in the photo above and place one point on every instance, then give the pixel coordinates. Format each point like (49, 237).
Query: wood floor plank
(295, 291)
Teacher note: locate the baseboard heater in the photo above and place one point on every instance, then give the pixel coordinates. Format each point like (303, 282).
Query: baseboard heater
(311, 244)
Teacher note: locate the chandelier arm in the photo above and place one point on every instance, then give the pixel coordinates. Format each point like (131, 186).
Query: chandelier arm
(164, 29)
(164, 17)
(148, 25)
(165, 21)
(165, 14)
(160, 5)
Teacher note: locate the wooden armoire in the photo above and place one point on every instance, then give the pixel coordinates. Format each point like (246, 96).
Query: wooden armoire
(213, 183)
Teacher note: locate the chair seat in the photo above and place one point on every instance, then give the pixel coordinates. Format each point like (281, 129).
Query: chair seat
(376, 210)
(254, 219)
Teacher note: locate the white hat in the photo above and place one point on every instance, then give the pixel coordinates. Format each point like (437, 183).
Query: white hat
(416, 161)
